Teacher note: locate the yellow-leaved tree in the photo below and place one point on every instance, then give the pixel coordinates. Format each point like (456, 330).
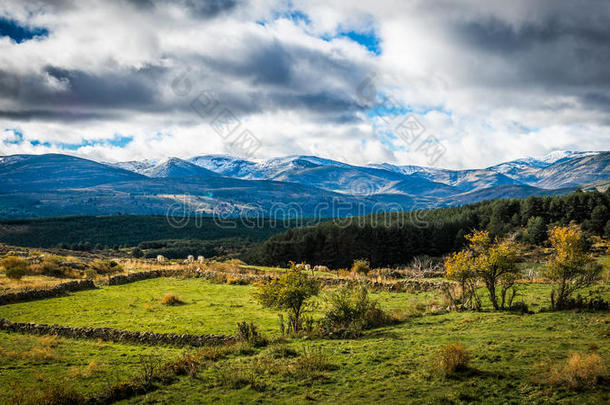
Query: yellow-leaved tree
(460, 267)
(570, 267)
(494, 262)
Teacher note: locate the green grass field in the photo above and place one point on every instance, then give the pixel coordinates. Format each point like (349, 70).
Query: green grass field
(392, 364)
(30, 364)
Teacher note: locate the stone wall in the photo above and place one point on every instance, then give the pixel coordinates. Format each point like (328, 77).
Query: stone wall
(116, 335)
(403, 285)
(55, 291)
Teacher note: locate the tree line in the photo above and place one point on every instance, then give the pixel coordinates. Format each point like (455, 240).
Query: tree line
(393, 239)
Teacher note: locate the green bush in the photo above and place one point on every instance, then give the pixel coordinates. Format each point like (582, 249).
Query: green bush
(361, 266)
(248, 332)
(15, 267)
(350, 311)
(53, 266)
(106, 266)
(290, 293)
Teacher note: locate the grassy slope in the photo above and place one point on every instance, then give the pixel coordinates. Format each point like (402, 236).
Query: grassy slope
(208, 308)
(33, 362)
(389, 364)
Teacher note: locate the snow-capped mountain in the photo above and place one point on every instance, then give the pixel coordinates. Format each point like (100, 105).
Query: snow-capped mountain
(377, 178)
(135, 166)
(54, 184)
(264, 169)
(174, 167)
(229, 166)
(555, 156)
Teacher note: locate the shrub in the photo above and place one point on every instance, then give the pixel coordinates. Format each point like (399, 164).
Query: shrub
(172, 299)
(349, 311)
(452, 357)
(290, 292)
(579, 372)
(235, 377)
(361, 266)
(54, 266)
(15, 267)
(185, 365)
(60, 393)
(247, 332)
(106, 266)
(214, 353)
(16, 273)
(312, 362)
(90, 274)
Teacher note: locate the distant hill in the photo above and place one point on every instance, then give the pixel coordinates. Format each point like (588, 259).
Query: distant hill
(306, 186)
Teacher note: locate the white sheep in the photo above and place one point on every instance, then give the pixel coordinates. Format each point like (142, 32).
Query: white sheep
(160, 259)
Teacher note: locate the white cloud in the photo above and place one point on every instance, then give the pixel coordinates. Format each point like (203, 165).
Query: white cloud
(492, 83)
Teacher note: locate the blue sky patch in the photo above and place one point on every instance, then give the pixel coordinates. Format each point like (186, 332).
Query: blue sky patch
(20, 33)
(18, 137)
(369, 40)
(118, 141)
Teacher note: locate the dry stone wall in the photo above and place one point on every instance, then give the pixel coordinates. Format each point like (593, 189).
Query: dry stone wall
(116, 335)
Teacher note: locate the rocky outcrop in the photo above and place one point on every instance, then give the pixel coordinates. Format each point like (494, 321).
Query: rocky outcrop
(116, 335)
(55, 291)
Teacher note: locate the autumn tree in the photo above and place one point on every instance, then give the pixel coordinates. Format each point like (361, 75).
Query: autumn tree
(460, 267)
(494, 262)
(289, 293)
(570, 267)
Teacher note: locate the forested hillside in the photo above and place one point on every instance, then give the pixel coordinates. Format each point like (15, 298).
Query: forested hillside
(88, 232)
(393, 239)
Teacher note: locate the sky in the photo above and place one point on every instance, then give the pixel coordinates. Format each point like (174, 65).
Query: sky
(453, 84)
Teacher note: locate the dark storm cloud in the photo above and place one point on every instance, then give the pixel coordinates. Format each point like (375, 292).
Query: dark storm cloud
(496, 35)
(60, 114)
(91, 94)
(559, 50)
(265, 63)
(125, 89)
(198, 8)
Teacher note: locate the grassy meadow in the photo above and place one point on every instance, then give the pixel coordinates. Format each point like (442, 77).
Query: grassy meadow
(390, 364)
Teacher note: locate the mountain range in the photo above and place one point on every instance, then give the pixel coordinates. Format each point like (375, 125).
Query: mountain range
(56, 184)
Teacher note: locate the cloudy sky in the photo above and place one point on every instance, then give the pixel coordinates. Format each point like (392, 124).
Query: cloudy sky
(124, 80)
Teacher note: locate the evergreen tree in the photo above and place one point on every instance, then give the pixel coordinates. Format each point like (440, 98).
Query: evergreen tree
(536, 230)
(599, 218)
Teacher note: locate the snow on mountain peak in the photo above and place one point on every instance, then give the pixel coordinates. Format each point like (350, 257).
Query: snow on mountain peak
(558, 155)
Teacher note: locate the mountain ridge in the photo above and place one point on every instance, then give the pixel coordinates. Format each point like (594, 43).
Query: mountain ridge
(55, 184)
